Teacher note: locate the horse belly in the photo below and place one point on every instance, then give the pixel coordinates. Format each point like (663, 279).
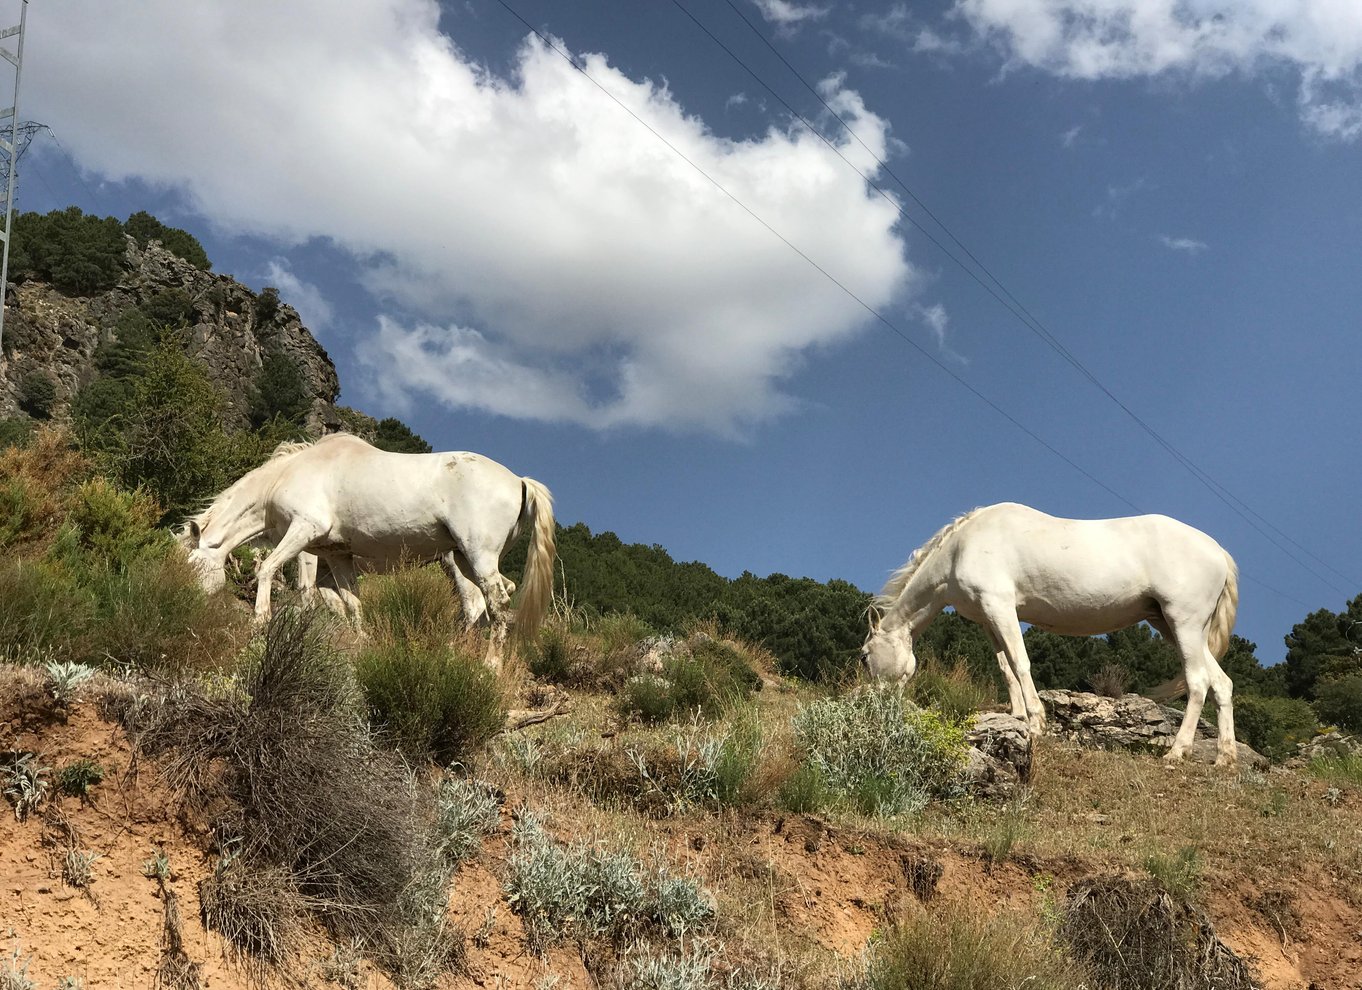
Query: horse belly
(1086, 616)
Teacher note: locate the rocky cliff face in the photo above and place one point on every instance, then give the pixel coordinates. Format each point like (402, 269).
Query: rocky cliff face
(56, 334)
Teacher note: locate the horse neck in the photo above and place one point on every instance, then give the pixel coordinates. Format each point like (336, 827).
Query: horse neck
(233, 520)
(922, 596)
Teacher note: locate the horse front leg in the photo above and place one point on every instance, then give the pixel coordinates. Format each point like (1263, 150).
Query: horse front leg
(299, 534)
(1015, 699)
(1003, 625)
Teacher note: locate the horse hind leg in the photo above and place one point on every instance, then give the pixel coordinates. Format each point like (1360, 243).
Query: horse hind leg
(472, 603)
(484, 574)
(1203, 673)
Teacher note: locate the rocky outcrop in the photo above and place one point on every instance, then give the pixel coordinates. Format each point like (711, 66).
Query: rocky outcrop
(1326, 746)
(999, 760)
(1131, 721)
(54, 334)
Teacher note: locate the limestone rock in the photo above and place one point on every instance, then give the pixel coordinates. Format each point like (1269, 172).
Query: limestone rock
(50, 332)
(1325, 746)
(1129, 722)
(999, 759)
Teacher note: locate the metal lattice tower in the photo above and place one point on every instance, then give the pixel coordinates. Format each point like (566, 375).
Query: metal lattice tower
(12, 147)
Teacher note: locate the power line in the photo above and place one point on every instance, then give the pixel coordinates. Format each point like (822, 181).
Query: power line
(1005, 297)
(880, 317)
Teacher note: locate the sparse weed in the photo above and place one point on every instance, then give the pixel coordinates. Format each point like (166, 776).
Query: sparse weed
(581, 892)
(647, 970)
(520, 753)
(805, 790)
(1179, 873)
(1342, 769)
(952, 948)
(343, 966)
(953, 690)
(158, 867)
(14, 971)
(77, 868)
(705, 767)
(620, 631)
(466, 811)
(70, 983)
(878, 753)
(1009, 828)
(63, 677)
(77, 777)
(26, 783)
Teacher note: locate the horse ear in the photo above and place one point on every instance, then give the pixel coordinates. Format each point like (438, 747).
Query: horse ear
(875, 616)
(194, 533)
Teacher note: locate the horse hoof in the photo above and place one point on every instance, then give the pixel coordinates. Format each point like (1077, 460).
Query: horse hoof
(1173, 756)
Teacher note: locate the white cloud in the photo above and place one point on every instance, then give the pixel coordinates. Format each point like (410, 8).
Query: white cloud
(1319, 40)
(1118, 196)
(938, 321)
(786, 13)
(539, 253)
(305, 297)
(1187, 245)
(1070, 137)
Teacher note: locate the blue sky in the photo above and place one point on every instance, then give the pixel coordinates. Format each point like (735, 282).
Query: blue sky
(495, 250)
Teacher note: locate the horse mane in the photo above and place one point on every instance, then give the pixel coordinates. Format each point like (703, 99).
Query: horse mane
(900, 578)
(282, 452)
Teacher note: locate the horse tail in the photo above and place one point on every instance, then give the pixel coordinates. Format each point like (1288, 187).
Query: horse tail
(1222, 619)
(537, 590)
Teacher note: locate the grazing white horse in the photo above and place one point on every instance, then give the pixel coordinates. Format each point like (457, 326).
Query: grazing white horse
(1008, 563)
(341, 498)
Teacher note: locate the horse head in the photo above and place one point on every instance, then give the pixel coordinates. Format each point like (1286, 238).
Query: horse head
(887, 653)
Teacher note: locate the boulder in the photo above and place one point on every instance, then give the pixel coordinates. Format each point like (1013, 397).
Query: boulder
(1327, 745)
(999, 761)
(1131, 721)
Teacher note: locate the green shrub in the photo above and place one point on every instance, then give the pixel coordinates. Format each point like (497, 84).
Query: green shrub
(24, 513)
(169, 309)
(43, 608)
(879, 754)
(467, 810)
(145, 227)
(702, 675)
(957, 948)
(413, 603)
(77, 777)
(266, 305)
(1338, 701)
(15, 431)
(116, 526)
(952, 689)
(75, 252)
(396, 436)
(550, 657)
(278, 392)
(37, 392)
(435, 701)
(1273, 726)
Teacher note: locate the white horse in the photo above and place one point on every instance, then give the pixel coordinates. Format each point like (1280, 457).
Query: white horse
(1005, 564)
(341, 498)
(340, 598)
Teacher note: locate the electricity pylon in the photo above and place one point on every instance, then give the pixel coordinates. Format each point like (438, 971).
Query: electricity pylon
(11, 148)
